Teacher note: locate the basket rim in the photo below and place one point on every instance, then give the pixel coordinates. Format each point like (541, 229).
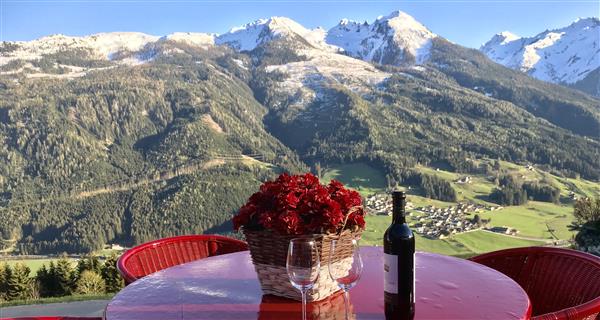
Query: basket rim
(313, 235)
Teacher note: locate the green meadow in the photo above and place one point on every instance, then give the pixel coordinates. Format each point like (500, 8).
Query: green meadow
(33, 264)
(537, 222)
(464, 244)
(359, 176)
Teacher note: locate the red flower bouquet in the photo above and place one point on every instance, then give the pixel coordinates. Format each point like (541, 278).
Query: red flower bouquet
(297, 206)
(300, 204)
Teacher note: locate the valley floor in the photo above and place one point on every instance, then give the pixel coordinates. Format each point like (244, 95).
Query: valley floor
(537, 223)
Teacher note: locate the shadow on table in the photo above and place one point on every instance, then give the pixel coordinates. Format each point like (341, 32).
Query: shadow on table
(276, 308)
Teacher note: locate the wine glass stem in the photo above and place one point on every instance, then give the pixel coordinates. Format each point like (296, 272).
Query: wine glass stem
(304, 303)
(347, 303)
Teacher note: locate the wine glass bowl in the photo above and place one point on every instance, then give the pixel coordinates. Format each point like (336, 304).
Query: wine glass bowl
(346, 271)
(303, 266)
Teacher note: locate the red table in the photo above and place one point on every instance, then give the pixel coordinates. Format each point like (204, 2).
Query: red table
(226, 287)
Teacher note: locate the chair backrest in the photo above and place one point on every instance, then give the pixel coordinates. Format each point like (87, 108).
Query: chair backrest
(561, 283)
(156, 255)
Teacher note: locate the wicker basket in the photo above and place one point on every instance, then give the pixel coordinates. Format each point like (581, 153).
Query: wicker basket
(269, 254)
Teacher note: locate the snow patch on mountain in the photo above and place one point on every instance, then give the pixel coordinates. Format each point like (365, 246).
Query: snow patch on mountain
(565, 55)
(192, 38)
(101, 45)
(349, 35)
(305, 80)
(107, 44)
(508, 36)
(394, 39)
(249, 36)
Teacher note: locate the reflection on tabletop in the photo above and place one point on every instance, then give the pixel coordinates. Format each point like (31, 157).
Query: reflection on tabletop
(276, 308)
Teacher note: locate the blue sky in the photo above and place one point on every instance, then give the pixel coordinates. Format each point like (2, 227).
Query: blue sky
(467, 22)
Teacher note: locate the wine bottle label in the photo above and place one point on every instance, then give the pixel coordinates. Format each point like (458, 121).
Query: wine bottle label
(390, 273)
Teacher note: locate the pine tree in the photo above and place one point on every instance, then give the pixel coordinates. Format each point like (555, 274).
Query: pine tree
(5, 276)
(88, 263)
(111, 275)
(45, 279)
(587, 210)
(64, 274)
(19, 285)
(51, 283)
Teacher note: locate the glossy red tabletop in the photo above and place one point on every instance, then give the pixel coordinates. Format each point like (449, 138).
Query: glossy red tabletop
(226, 287)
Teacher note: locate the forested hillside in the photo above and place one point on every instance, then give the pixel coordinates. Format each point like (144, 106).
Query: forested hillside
(131, 154)
(430, 114)
(569, 109)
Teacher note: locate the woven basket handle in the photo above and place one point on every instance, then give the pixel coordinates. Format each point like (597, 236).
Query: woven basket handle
(346, 219)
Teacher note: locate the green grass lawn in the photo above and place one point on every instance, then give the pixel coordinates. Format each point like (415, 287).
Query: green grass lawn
(107, 252)
(464, 244)
(583, 187)
(419, 201)
(71, 298)
(482, 241)
(34, 264)
(533, 219)
(446, 175)
(358, 176)
(376, 226)
(530, 219)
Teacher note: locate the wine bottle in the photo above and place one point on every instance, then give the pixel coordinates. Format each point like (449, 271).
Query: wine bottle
(399, 263)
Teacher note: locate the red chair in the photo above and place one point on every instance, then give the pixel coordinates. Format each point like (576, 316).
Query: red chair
(156, 255)
(562, 284)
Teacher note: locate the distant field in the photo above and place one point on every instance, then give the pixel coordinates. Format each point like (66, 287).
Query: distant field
(482, 241)
(465, 244)
(579, 186)
(540, 221)
(34, 264)
(71, 298)
(531, 219)
(359, 176)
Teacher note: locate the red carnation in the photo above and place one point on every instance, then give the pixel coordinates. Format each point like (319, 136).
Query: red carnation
(289, 223)
(300, 204)
(268, 219)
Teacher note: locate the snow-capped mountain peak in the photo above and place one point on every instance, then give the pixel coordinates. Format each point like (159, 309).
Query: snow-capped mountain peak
(506, 37)
(249, 36)
(100, 45)
(564, 55)
(400, 21)
(393, 39)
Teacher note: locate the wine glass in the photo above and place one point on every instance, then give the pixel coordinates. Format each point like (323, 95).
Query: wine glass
(303, 266)
(346, 272)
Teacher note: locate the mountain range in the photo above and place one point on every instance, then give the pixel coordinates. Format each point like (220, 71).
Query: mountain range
(569, 55)
(127, 137)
